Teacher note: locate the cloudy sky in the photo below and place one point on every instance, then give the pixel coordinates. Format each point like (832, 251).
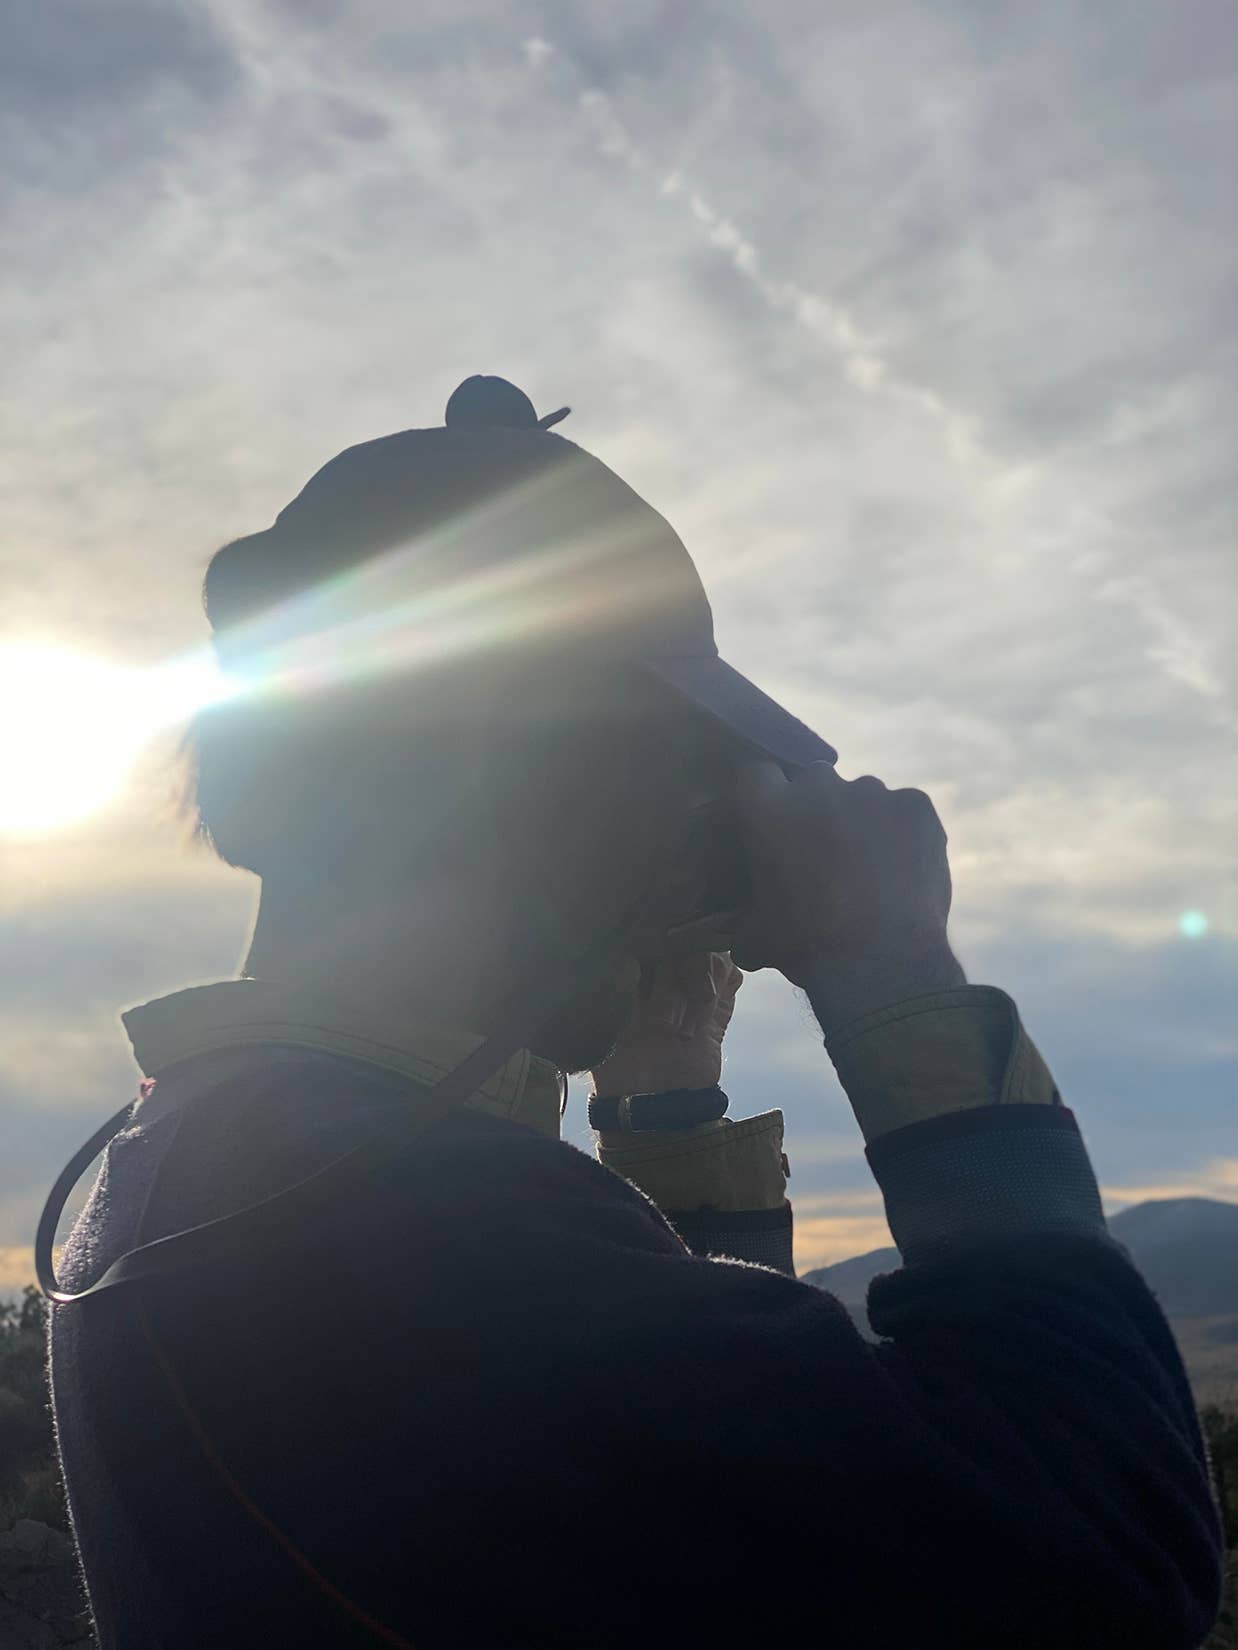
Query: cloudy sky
(918, 324)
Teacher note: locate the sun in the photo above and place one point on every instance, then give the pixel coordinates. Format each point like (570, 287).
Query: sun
(68, 735)
(72, 726)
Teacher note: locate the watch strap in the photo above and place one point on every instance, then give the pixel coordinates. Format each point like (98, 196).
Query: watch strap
(671, 1109)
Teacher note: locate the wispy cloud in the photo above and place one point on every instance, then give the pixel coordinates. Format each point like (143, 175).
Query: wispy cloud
(997, 486)
(915, 326)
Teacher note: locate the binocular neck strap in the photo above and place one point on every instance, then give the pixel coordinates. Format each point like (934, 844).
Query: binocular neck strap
(237, 1232)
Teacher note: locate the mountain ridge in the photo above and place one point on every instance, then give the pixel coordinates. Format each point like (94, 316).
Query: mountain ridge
(1186, 1249)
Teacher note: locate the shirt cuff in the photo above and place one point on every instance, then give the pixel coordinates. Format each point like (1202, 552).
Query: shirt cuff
(722, 1185)
(948, 1052)
(729, 1164)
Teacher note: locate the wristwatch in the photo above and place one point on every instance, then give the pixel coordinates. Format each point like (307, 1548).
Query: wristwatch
(672, 1109)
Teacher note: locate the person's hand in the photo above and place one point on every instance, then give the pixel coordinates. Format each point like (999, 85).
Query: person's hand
(674, 1039)
(850, 889)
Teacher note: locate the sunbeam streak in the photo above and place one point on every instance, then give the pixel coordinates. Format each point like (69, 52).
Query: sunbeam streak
(68, 750)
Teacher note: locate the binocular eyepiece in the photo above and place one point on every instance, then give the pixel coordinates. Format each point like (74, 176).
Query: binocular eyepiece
(706, 887)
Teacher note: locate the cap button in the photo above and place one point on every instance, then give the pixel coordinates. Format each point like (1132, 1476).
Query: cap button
(490, 401)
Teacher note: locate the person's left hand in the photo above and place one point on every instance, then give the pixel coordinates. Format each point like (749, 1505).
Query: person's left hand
(674, 1039)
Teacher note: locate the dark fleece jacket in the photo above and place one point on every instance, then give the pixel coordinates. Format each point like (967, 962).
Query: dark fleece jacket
(497, 1401)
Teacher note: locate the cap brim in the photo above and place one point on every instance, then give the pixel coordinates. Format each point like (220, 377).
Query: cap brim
(714, 687)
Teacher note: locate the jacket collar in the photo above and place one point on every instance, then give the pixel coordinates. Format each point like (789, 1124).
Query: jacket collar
(235, 1013)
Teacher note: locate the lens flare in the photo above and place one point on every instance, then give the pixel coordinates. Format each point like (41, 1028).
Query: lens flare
(1193, 925)
(72, 726)
(530, 567)
(397, 612)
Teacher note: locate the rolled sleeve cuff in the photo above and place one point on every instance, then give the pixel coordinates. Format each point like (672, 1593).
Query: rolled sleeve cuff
(947, 1052)
(722, 1185)
(964, 1128)
(729, 1164)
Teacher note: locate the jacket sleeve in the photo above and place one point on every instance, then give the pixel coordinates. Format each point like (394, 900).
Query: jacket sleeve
(1019, 1459)
(548, 1409)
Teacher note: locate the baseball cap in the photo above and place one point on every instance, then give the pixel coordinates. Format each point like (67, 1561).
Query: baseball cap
(490, 531)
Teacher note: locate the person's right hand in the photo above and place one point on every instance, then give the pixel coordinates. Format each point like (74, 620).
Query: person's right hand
(850, 889)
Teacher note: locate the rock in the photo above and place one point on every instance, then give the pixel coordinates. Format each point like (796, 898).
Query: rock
(41, 1598)
(19, 1630)
(30, 1545)
(1224, 1635)
(30, 1537)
